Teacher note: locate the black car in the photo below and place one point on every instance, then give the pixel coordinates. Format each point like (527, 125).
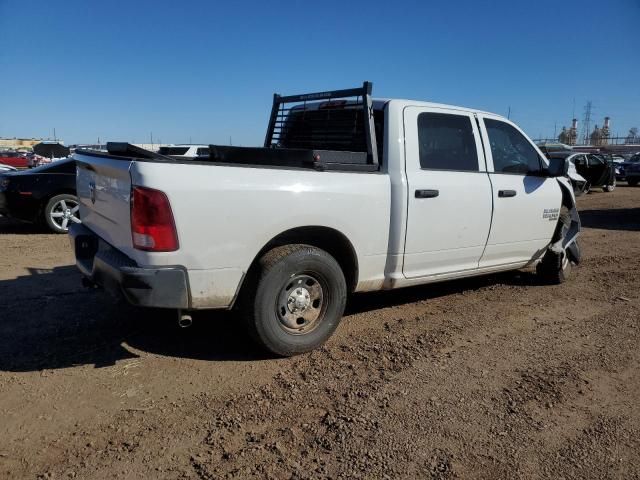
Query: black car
(630, 170)
(597, 171)
(44, 195)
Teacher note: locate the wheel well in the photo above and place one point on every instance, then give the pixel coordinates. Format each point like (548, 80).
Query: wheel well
(325, 238)
(49, 196)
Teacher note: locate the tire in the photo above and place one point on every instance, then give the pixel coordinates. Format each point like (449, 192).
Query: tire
(632, 182)
(555, 268)
(295, 301)
(610, 188)
(60, 212)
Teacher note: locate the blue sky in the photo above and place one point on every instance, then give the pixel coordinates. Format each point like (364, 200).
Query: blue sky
(205, 71)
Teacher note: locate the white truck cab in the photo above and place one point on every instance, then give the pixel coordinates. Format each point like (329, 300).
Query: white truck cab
(344, 196)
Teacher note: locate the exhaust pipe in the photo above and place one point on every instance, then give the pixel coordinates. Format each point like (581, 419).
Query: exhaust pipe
(184, 320)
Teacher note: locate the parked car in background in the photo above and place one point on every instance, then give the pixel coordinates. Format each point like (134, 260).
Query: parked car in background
(632, 171)
(333, 203)
(7, 168)
(616, 159)
(622, 168)
(185, 151)
(14, 159)
(596, 170)
(549, 147)
(45, 195)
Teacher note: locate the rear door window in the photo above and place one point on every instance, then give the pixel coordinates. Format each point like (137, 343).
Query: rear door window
(446, 142)
(511, 151)
(594, 161)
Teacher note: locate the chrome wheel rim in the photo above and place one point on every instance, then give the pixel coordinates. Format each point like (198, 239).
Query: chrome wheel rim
(301, 304)
(64, 212)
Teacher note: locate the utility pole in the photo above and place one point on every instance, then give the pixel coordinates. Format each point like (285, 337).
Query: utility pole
(555, 129)
(230, 142)
(151, 140)
(54, 134)
(509, 112)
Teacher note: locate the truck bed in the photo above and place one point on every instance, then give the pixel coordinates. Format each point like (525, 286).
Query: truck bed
(321, 160)
(218, 207)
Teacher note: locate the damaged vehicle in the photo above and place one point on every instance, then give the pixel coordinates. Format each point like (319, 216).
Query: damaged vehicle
(596, 171)
(348, 194)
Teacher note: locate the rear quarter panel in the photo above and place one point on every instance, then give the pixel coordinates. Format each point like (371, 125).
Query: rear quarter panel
(225, 215)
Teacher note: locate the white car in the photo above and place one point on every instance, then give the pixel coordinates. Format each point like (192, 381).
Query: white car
(185, 151)
(345, 196)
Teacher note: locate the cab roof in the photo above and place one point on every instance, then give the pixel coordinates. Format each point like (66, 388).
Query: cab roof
(381, 103)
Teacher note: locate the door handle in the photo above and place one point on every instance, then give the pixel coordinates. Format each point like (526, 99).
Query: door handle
(506, 193)
(427, 193)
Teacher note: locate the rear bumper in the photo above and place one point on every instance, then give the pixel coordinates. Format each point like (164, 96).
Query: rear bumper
(104, 265)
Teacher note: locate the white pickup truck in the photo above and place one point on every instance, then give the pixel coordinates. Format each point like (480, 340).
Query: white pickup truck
(349, 194)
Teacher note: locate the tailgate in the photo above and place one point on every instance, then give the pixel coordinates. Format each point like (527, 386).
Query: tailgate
(104, 187)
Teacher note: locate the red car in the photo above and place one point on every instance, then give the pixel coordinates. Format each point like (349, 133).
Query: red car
(14, 159)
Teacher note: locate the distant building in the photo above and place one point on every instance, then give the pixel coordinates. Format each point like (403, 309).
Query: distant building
(20, 143)
(569, 137)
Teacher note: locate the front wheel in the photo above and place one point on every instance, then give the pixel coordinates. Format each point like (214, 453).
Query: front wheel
(610, 188)
(555, 268)
(61, 211)
(300, 295)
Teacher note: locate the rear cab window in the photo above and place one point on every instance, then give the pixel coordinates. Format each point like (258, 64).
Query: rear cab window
(331, 127)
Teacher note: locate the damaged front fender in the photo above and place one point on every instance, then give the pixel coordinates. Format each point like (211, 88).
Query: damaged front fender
(567, 242)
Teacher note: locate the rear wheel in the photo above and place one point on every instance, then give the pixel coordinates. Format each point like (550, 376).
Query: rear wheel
(632, 182)
(61, 211)
(296, 300)
(555, 268)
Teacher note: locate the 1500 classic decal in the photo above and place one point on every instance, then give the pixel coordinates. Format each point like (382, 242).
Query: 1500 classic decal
(551, 213)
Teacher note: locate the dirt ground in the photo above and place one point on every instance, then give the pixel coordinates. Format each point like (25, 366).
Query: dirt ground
(495, 377)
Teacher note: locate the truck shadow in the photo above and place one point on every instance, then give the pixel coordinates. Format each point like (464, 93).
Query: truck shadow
(612, 219)
(49, 321)
(365, 302)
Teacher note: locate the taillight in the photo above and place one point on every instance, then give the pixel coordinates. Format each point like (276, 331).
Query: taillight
(152, 225)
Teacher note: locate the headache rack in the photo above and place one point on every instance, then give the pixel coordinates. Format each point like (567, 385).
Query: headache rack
(336, 131)
(332, 130)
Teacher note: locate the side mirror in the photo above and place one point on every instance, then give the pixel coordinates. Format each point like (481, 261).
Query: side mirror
(558, 167)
